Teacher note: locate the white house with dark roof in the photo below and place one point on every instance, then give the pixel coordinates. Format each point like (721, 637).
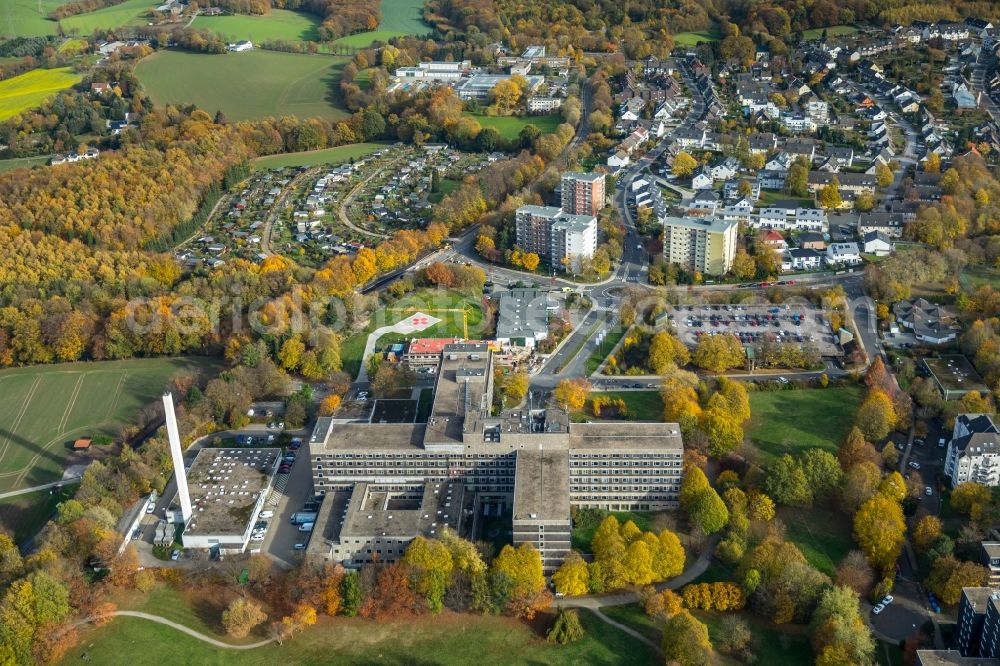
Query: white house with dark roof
(974, 451)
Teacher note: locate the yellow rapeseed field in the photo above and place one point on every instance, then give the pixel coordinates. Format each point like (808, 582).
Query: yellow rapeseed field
(27, 91)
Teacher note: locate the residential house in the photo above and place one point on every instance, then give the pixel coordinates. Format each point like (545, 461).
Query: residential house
(726, 169)
(964, 98)
(780, 162)
(773, 240)
(801, 259)
(705, 200)
(762, 143)
(771, 180)
(843, 254)
(855, 183)
(974, 451)
(878, 244)
(812, 241)
(702, 178)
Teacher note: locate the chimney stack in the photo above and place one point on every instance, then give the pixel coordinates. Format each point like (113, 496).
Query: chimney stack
(177, 455)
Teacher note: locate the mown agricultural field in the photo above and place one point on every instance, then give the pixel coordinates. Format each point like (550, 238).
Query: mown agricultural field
(399, 18)
(278, 24)
(130, 12)
(45, 407)
(510, 126)
(28, 90)
(255, 84)
(22, 18)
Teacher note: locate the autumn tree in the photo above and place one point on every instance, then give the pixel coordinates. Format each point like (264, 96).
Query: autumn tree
(970, 498)
(883, 175)
(572, 578)
(926, 532)
(660, 605)
(242, 616)
(431, 564)
(522, 567)
(665, 351)
(829, 196)
(685, 641)
(392, 596)
(566, 627)
(329, 405)
(876, 416)
(719, 352)
(855, 572)
(684, 165)
(571, 394)
(839, 629)
(949, 575)
(879, 528)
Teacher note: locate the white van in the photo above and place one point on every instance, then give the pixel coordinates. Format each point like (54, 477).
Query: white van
(306, 527)
(267, 514)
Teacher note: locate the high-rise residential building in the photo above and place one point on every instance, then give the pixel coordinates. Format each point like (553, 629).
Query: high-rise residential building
(978, 630)
(706, 246)
(385, 483)
(582, 193)
(556, 235)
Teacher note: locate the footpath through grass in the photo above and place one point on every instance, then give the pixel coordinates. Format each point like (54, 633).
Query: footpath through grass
(245, 86)
(823, 535)
(24, 515)
(336, 155)
(798, 419)
(444, 640)
(30, 89)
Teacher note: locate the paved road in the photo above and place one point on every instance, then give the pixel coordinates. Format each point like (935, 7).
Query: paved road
(180, 627)
(44, 486)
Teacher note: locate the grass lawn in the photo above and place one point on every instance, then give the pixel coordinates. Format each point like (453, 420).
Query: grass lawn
(443, 640)
(447, 186)
(23, 162)
(72, 45)
(633, 615)
(642, 405)
(510, 126)
(346, 153)
(448, 306)
(130, 12)
(278, 24)
(22, 18)
(887, 654)
(832, 31)
(787, 645)
(717, 572)
(247, 85)
(768, 197)
(601, 353)
(30, 89)
(823, 536)
(795, 420)
(45, 407)
(25, 514)
(977, 276)
(399, 18)
(692, 38)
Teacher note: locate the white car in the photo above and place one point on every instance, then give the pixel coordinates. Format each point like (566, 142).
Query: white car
(257, 537)
(887, 600)
(267, 514)
(878, 609)
(928, 491)
(914, 464)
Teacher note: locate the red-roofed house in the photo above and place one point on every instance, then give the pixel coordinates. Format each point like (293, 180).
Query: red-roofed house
(774, 239)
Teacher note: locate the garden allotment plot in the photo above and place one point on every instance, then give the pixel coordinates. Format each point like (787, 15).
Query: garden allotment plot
(44, 408)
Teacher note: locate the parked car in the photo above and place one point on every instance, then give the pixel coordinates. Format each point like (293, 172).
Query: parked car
(267, 514)
(887, 600)
(878, 609)
(136, 533)
(175, 555)
(928, 491)
(299, 546)
(914, 464)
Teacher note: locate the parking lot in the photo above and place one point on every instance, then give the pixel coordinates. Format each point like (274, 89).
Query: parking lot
(755, 324)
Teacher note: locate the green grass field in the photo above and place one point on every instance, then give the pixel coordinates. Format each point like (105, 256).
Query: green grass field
(313, 157)
(399, 18)
(444, 640)
(823, 536)
(30, 89)
(583, 531)
(21, 18)
(130, 12)
(795, 420)
(642, 405)
(25, 514)
(832, 31)
(692, 38)
(510, 126)
(787, 645)
(976, 276)
(23, 162)
(595, 360)
(255, 84)
(440, 304)
(280, 24)
(46, 407)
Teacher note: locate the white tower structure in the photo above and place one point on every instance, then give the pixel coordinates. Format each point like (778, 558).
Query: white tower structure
(177, 455)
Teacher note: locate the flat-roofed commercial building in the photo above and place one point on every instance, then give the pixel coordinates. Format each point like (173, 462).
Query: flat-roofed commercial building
(582, 193)
(705, 246)
(532, 460)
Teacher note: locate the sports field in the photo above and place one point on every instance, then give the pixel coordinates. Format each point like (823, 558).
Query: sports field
(692, 38)
(278, 24)
(30, 89)
(510, 126)
(245, 86)
(337, 155)
(44, 408)
(399, 18)
(130, 12)
(22, 18)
